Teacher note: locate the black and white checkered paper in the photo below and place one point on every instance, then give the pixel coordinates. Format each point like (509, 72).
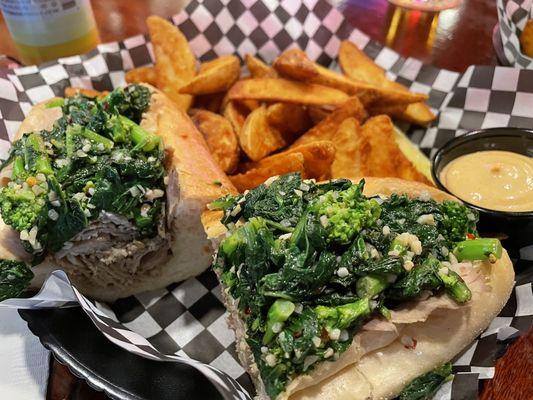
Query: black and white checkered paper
(513, 16)
(186, 322)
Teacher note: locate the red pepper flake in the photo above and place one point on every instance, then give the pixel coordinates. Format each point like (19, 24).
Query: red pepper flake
(297, 334)
(247, 311)
(470, 236)
(324, 335)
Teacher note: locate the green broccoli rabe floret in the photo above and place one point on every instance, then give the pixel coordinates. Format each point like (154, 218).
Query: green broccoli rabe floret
(21, 208)
(454, 285)
(277, 314)
(345, 213)
(344, 316)
(478, 249)
(131, 101)
(421, 277)
(371, 285)
(142, 139)
(458, 220)
(15, 277)
(426, 385)
(240, 238)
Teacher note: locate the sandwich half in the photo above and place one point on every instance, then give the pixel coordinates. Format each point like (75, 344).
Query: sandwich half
(355, 289)
(110, 190)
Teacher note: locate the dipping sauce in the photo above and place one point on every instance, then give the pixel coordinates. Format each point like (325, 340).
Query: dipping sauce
(493, 179)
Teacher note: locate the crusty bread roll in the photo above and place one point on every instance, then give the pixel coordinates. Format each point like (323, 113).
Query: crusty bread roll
(130, 267)
(378, 364)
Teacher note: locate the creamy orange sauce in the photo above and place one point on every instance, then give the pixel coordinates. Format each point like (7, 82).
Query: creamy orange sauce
(493, 179)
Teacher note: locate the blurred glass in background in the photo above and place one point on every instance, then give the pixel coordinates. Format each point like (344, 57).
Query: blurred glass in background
(427, 5)
(47, 29)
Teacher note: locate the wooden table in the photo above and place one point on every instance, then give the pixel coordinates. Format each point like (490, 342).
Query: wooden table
(452, 39)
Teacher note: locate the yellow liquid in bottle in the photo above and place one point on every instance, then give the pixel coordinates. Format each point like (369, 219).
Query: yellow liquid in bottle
(50, 29)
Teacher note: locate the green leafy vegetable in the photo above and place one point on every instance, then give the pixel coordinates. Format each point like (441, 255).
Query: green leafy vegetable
(95, 158)
(15, 276)
(425, 386)
(343, 214)
(309, 263)
(478, 249)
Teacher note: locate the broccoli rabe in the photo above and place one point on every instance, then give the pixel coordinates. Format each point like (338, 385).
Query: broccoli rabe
(15, 277)
(426, 385)
(20, 207)
(343, 214)
(309, 263)
(344, 316)
(131, 101)
(95, 158)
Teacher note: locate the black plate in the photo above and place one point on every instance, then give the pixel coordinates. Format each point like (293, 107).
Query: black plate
(74, 341)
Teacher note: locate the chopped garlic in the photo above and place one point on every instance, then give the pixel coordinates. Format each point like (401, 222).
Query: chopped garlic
(343, 272)
(328, 353)
(271, 360)
(426, 219)
(53, 215)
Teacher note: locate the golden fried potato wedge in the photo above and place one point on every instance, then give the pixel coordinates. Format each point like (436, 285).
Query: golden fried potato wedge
(384, 156)
(258, 69)
(236, 114)
(71, 91)
(416, 113)
(318, 157)
(175, 62)
(220, 137)
(142, 75)
(290, 119)
(284, 164)
(257, 137)
(318, 113)
(209, 102)
(283, 90)
(250, 104)
(214, 76)
(358, 66)
(351, 150)
(526, 39)
(326, 129)
(294, 64)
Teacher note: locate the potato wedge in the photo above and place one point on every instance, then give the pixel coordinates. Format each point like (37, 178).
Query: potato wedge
(358, 66)
(175, 62)
(318, 157)
(257, 138)
(384, 156)
(290, 119)
(294, 64)
(210, 102)
(214, 76)
(416, 113)
(71, 91)
(220, 137)
(258, 69)
(352, 149)
(250, 104)
(236, 114)
(293, 162)
(142, 75)
(326, 129)
(269, 89)
(317, 113)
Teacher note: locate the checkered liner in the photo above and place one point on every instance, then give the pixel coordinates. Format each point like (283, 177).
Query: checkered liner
(513, 15)
(185, 322)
